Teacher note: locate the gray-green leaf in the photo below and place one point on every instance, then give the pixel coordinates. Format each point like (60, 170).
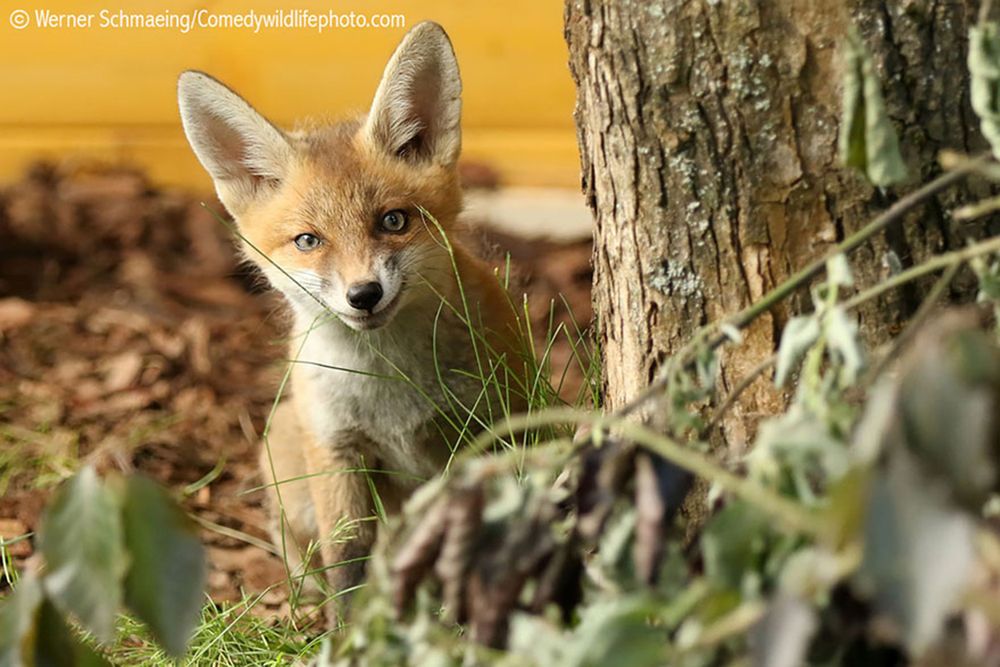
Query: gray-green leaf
(842, 339)
(734, 544)
(82, 541)
(799, 335)
(868, 140)
(919, 551)
(610, 632)
(984, 72)
(838, 271)
(165, 583)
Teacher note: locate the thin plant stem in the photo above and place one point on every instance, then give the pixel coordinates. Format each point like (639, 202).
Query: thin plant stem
(788, 513)
(714, 335)
(951, 261)
(734, 395)
(914, 325)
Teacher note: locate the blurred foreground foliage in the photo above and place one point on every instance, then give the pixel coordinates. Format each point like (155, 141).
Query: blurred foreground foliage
(105, 543)
(859, 530)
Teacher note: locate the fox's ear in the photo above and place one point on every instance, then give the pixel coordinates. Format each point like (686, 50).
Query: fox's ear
(417, 110)
(244, 153)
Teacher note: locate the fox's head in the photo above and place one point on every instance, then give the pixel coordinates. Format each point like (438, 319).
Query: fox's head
(333, 214)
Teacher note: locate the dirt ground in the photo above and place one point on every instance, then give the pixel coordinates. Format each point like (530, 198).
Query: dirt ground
(132, 337)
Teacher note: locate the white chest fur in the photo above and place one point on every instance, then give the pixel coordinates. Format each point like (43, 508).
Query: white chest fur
(389, 386)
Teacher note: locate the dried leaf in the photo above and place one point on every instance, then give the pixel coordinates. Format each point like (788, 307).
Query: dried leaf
(464, 520)
(418, 553)
(660, 488)
(560, 582)
(605, 471)
(515, 552)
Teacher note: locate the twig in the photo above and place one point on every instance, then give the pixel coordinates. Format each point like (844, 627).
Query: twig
(731, 399)
(792, 515)
(989, 246)
(952, 262)
(715, 337)
(685, 457)
(917, 321)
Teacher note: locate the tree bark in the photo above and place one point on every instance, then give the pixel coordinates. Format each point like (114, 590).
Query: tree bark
(708, 141)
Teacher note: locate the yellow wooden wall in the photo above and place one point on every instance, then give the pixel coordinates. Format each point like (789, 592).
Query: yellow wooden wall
(110, 94)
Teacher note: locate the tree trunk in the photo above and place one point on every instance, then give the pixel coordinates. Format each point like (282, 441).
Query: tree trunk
(708, 140)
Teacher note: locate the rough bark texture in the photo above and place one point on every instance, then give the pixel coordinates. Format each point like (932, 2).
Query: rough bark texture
(708, 139)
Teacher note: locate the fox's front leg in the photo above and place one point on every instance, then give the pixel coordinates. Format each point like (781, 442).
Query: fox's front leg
(344, 515)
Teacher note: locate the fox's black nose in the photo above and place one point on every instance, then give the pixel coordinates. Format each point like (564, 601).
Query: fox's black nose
(364, 296)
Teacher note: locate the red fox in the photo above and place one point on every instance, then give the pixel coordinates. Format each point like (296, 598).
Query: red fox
(346, 220)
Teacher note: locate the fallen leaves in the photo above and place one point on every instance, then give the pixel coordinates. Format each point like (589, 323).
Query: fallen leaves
(131, 333)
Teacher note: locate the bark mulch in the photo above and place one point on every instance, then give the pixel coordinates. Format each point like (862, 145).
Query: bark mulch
(132, 337)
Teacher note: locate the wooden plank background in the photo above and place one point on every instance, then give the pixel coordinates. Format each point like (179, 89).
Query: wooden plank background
(110, 93)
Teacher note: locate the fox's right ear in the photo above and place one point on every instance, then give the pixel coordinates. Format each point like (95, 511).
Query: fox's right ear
(245, 154)
(417, 108)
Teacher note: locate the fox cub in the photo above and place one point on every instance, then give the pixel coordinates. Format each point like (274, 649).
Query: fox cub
(395, 327)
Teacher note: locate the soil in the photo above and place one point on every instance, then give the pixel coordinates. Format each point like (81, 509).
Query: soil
(132, 337)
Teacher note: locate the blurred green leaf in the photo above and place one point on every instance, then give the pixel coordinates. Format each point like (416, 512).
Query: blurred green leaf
(799, 335)
(613, 557)
(989, 279)
(166, 580)
(847, 503)
(948, 400)
(919, 551)
(798, 442)
(611, 632)
(868, 140)
(734, 544)
(984, 72)
(18, 615)
(56, 646)
(82, 541)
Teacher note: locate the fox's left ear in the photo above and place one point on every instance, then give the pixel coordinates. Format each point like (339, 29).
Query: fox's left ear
(417, 110)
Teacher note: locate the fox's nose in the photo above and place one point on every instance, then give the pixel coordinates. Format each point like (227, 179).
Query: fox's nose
(364, 296)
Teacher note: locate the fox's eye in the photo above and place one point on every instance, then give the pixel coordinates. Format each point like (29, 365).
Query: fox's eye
(306, 242)
(394, 221)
